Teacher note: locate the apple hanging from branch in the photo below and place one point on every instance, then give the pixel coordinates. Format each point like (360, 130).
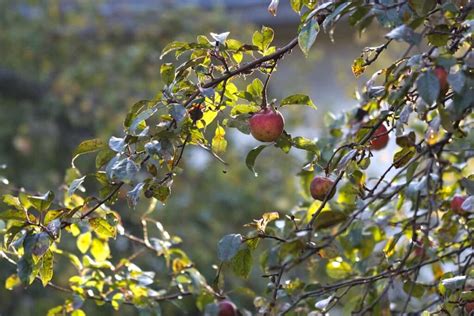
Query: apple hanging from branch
(380, 138)
(320, 187)
(226, 308)
(267, 125)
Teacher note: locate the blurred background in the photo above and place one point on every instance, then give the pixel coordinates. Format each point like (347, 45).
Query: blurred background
(70, 69)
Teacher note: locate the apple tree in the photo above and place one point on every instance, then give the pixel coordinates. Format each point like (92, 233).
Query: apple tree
(400, 242)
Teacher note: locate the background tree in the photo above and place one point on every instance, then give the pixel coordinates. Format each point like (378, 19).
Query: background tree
(361, 245)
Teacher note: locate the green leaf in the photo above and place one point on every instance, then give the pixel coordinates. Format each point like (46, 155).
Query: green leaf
(284, 142)
(403, 156)
(439, 36)
(415, 289)
(78, 312)
(244, 109)
(228, 246)
(178, 112)
(428, 87)
(255, 88)
(263, 39)
(454, 283)
(134, 194)
(172, 47)
(241, 263)
(37, 244)
(161, 193)
(332, 18)
(457, 81)
(422, 7)
(252, 156)
(139, 120)
(26, 270)
(13, 201)
(103, 157)
(296, 5)
(87, 146)
(123, 170)
(305, 144)
(298, 99)
(117, 144)
(56, 311)
(468, 184)
(167, 73)
(103, 227)
(404, 33)
(307, 35)
(46, 268)
(75, 184)
(338, 269)
(328, 219)
(42, 202)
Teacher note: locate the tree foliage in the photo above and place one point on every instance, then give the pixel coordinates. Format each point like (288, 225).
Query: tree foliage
(393, 243)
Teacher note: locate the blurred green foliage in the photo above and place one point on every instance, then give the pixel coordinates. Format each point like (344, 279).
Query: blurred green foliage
(70, 73)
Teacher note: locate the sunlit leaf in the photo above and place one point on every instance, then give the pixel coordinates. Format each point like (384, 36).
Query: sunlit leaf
(307, 35)
(103, 227)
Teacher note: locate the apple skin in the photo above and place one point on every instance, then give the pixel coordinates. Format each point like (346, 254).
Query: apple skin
(420, 247)
(320, 187)
(227, 308)
(469, 307)
(379, 138)
(442, 76)
(456, 203)
(267, 125)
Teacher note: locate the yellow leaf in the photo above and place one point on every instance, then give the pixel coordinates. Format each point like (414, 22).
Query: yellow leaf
(46, 268)
(12, 281)
(100, 250)
(358, 67)
(84, 241)
(219, 143)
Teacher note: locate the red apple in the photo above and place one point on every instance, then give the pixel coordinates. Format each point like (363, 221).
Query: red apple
(379, 138)
(456, 203)
(419, 247)
(469, 307)
(227, 308)
(267, 125)
(442, 75)
(320, 187)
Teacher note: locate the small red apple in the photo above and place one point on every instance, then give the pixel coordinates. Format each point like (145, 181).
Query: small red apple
(456, 203)
(267, 125)
(320, 187)
(420, 247)
(469, 307)
(227, 308)
(379, 138)
(442, 75)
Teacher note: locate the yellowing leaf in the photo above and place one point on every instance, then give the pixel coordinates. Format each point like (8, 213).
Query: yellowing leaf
(338, 269)
(219, 143)
(84, 241)
(358, 67)
(100, 249)
(12, 281)
(180, 264)
(102, 227)
(46, 268)
(207, 118)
